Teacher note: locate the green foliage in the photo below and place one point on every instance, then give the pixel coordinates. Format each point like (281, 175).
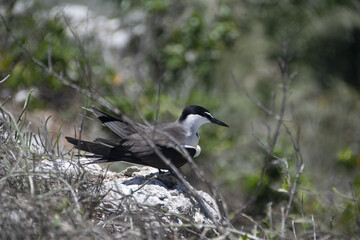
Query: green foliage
(349, 212)
(50, 35)
(198, 46)
(187, 43)
(347, 158)
(46, 41)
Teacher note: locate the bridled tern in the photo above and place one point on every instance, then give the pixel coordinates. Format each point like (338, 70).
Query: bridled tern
(132, 146)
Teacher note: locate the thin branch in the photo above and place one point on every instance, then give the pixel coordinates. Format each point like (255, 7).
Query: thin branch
(158, 100)
(294, 229)
(262, 144)
(280, 120)
(255, 223)
(282, 229)
(314, 226)
(5, 78)
(270, 217)
(286, 79)
(253, 100)
(300, 168)
(58, 76)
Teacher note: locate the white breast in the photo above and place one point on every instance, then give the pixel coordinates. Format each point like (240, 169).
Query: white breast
(191, 125)
(192, 139)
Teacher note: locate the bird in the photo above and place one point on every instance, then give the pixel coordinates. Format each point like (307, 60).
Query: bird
(132, 145)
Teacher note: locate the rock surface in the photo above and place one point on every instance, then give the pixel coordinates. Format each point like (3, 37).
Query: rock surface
(144, 186)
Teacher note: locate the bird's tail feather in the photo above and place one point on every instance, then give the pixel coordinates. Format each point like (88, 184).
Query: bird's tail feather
(96, 148)
(104, 153)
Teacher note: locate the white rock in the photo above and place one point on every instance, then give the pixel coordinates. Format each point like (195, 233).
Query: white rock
(144, 184)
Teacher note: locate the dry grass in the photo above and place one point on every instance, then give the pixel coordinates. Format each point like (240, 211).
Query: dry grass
(37, 204)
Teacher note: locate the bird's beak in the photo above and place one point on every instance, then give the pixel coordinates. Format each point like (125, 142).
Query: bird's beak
(218, 122)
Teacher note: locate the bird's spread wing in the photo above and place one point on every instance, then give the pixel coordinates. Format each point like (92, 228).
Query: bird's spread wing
(117, 124)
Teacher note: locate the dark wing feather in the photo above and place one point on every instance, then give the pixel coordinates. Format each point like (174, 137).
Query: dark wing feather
(109, 142)
(118, 124)
(162, 137)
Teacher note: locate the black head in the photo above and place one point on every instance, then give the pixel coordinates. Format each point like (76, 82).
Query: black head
(203, 112)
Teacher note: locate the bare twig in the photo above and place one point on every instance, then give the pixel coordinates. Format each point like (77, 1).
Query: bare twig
(86, 72)
(356, 206)
(58, 76)
(294, 229)
(300, 167)
(254, 100)
(234, 231)
(286, 79)
(314, 226)
(283, 65)
(255, 223)
(262, 144)
(269, 216)
(282, 229)
(76, 200)
(5, 78)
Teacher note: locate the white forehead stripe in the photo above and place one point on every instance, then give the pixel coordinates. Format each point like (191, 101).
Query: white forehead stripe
(207, 113)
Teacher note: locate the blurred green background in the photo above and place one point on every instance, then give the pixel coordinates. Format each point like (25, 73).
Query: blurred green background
(198, 52)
